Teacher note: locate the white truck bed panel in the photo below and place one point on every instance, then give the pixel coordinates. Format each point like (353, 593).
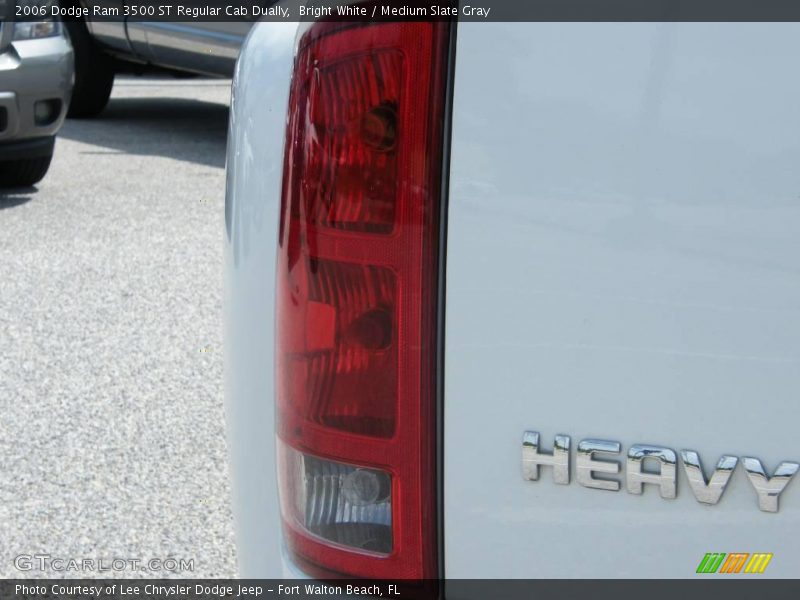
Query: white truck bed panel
(623, 263)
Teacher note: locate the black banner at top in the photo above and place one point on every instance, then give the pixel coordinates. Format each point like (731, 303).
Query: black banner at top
(479, 11)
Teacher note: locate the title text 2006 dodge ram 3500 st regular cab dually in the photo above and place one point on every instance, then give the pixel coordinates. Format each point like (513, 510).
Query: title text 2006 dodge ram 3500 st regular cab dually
(514, 300)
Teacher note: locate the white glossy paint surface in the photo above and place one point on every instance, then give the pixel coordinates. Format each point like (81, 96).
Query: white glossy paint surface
(255, 164)
(623, 263)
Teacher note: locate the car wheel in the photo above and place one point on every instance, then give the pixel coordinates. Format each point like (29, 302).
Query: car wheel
(94, 73)
(23, 172)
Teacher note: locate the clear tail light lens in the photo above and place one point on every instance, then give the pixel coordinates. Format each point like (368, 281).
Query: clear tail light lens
(357, 289)
(338, 502)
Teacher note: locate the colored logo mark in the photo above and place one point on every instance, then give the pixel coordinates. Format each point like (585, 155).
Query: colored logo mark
(735, 562)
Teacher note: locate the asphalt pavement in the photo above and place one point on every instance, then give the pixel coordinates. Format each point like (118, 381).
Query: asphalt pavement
(112, 434)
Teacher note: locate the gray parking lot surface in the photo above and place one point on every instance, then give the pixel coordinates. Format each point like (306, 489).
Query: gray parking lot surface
(111, 420)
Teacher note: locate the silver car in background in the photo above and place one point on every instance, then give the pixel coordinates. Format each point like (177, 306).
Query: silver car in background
(36, 77)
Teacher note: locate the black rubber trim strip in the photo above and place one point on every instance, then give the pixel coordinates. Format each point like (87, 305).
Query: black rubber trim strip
(444, 199)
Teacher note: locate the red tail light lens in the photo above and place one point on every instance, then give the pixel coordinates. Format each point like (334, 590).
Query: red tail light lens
(356, 299)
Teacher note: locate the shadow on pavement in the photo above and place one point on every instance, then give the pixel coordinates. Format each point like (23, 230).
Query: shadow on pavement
(178, 128)
(11, 197)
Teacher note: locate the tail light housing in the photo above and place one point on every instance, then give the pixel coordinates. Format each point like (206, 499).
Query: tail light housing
(357, 283)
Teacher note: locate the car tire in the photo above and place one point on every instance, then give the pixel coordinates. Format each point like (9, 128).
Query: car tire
(94, 74)
(23, 172)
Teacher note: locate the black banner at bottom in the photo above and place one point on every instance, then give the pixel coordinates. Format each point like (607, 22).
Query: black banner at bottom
(452, 589)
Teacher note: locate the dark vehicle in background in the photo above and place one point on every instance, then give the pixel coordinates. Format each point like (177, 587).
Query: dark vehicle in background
(105, 48)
